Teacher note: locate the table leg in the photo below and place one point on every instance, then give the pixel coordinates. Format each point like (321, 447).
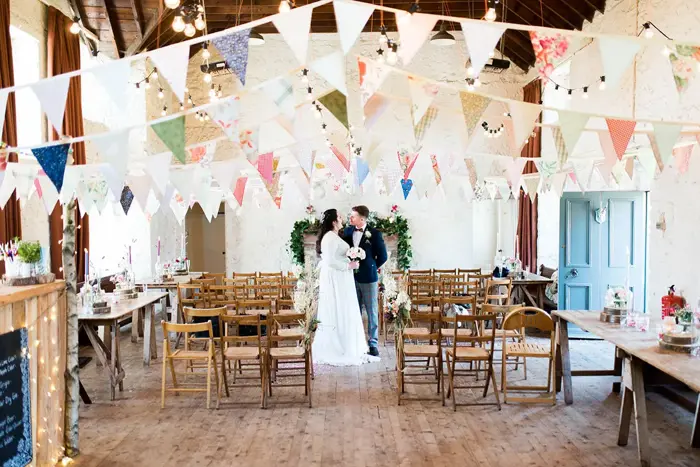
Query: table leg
(107, 339)
(83, 394)
(617, 369)
(557, 356)
(113, 361)
(540, 296)
(135, 326)
(149, 335)
(566, 361)
(695, 437)
(634, 396)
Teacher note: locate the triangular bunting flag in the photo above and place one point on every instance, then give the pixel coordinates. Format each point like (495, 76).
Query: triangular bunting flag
(514, 170)
(113, 77)
(332, 69)
(374, 109)
(608, 148)
(294, 27)
(141, 188)
(422, 95)
(372, 75)
(424, 124)
(172, 63)
(351, 19)
(172, 133)
(665, 137)
(234, 48)
(413, 31)
(523, 117)
(407, 160)
(158, 167)
(239, 191)
(52, 95)
(681, 157)
(264, 166)
(617, 54)
(571, 125)
(114, 150)
(225, 114)
(362, 170)
(647, 160)
(49, 195)
(281, 91)
(273, 187)
(546, 168)
(274, 136)
(53, 161)
(182, 181)
(436, 169)
(560, 145)
(684, 65)
(406, 185)
(583, 170)
(532, 184)
(3, 106)
(126, 199)
(558, 180)
(621, 132)
(223, 172)
(473, 107)
(337, 104)
(481, 38)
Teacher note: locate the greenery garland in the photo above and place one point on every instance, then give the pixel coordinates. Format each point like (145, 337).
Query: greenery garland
(395, 224)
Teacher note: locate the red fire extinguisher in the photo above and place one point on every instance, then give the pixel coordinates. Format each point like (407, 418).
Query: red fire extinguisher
(671, 302)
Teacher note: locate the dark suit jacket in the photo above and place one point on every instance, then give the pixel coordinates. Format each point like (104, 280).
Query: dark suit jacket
(375, 251)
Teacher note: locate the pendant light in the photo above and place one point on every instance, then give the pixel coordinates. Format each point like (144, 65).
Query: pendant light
(442, 37)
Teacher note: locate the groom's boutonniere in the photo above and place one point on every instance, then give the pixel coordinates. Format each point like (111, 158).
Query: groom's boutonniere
(368, 234)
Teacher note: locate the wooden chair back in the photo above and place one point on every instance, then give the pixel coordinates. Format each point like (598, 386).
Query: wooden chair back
(495, 291)
(438, 273)
(275, 275)
(422, 293)
(424, 273)
(285, 300)
(217, 276)
(248, 277)
(265, 289)
(187, 329)
(222, 296)
(190, 295)
(231, 326)
(479, 334)
(528, 317)
(255, 306)
(279, 321)
(214, 315)
(432, 322)
(466, 272)
(203, 294)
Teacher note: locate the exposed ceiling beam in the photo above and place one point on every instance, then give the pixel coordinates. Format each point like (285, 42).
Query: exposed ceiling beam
(138, 16)
(545, 6)
(117, 38)
(78, 11)
(151, 28)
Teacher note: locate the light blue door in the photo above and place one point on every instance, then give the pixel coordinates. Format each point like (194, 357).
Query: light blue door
(598, 233)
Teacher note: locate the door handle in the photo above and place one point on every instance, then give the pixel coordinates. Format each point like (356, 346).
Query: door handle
(571, 274)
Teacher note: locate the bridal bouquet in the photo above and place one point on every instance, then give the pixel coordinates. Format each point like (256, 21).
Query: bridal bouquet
(356, 254)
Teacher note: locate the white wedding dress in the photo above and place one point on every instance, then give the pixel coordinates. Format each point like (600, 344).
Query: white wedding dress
(340, 339)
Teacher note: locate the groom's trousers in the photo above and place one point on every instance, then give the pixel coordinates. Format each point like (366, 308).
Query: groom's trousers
(367, 296)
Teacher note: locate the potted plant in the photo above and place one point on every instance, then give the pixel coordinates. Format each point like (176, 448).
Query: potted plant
(29, 253)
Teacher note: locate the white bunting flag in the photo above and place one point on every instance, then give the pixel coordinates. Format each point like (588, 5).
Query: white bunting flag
(523, 117)
(225, 114)
(351, 19)
(172, 62)
(158, 167)
(49, 195)
(648, 162)
(422, 95)
(294, 27)
(413, 31)
(583, 170)
(281, 91)
(141, 188)
(3, 106)
(617, 54)
(114, 150)
(113, 77)
(665, 137)
(558, 180)
(504, 190)
(571, 125)
(374, 109)
(481, 38)
(274, 136)
(532, 185)
(514, 170)
(71, 179)
(224, 172)
(372, 75)
(52, 95)
(182, 180)
(332, 69)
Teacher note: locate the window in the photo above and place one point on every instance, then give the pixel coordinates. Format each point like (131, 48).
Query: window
(26, 59)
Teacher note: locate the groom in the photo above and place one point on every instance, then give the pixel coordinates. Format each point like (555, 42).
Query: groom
(359, 234)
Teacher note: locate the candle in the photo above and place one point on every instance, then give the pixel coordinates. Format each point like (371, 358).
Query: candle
(129, 254)
(516, 247)
(87, 266)
(159, 247)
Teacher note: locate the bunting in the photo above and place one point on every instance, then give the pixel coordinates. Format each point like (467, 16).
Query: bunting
(172, 133)
(436, 169)
(52, 95)
(374, 109)
(114, 150)
(481, 38)
(225, 113)
(350, 19)
(473, 107)
(172, 62)
(126, 199)
(621, 132)
(372, 75)
(362, 170)
(684, 64)
(264, 166)
(332, 69)
(424, 124)
(617, 54)
(158, 167)
(406, 185)
(234, 48)
(665, 137)
(281, 91)
(406, 161)
(523, 117)
(422, 95)
(681, 157)
(274, 136)
(239, 191)
(294, 26)
(337, 104)
(514, 170)
(413, 31)
(53, 161)
(571, 125)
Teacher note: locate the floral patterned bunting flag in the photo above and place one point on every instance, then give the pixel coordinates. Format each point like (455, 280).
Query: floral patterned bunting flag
(406, 185)
(53, 161)
(406, 160)
(234, 48)
(424, 124)
(239, 191)
(547, 49)
(684, 64)
(126, 199)
(436, 169)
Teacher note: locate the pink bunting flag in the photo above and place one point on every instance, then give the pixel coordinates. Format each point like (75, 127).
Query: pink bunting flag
(239, 191)
(406, 160)
(264, 165)
(681, 156)
(341, 157)
(621, 132)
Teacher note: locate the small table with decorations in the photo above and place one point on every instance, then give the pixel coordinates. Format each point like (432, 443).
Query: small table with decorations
(109, 356)
(530, 290)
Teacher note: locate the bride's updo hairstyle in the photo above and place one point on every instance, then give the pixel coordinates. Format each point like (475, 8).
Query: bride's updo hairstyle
(327, 220)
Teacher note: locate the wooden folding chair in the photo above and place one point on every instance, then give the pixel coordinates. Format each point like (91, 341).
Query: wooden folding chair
(479, 349)
(438, 273)
(465, 272)
(495, 292)
(432, 351)
(203, 293)
(169, 357)
(271, 275)
(481, 280)
(514, 335)
(238, 348)
(520, 319)
(248, 277)
(189, 295)
(217, 276)
(285, 299)
(223, 295)
(277, 353)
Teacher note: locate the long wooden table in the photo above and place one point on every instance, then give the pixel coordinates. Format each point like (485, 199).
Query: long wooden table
(109, 356)
(531, 288)
(638, 353)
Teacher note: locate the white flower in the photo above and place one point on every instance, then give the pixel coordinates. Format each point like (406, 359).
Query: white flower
(368, 234)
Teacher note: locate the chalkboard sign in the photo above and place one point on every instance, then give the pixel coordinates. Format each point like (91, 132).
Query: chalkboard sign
(15, 400)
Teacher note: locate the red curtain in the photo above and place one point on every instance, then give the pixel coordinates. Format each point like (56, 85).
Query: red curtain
(527, 205)
(10, 217)
(63, 56)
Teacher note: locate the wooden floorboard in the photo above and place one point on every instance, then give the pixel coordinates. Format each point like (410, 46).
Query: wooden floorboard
(355, 421)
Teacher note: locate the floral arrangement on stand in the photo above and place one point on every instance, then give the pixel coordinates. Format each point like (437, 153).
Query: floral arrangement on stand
(513, 264)
(397, 302)
(306, 301)
(617, 297)
(394, 224)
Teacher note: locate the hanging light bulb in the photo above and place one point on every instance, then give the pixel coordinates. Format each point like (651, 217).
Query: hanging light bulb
(178, 24)
(212, 91)
(470, 85)
(383, 38)
(207, 77)
(189, 99)
(490, 15)
(309, 93)
(477, 82)
(666, 51)
(206, 117)
(160, 93)
(219, 92)
(392, 58)
(492, 54)
(305, 76)
(323, 129)
(569, 94)
(190, 30)
(75, 27)
(470, 71)
(182, 107)
(147, 83)
(186, 90)
(317, 113)
(601, 86)
(648, 31)
(199, 23)
(164, 112)
(205, 51)
(585, 92)
(154, 73)
(172, 4)
(284, 6)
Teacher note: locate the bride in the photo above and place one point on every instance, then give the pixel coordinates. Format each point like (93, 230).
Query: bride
(340, 339)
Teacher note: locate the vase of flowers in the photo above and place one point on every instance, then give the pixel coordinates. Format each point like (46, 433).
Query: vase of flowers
(684, 317)
(29, 254)
(618, 298)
